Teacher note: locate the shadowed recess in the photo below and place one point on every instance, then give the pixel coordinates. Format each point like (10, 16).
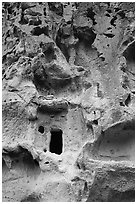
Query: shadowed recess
(56, 141)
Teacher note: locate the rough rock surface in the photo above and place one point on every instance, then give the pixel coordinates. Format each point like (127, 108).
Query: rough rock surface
(68, 101)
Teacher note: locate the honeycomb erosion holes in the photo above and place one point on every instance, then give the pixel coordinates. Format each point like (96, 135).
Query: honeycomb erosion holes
(68, 104)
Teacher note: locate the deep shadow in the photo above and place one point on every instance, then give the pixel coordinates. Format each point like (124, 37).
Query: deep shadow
(56, 141)
(41, 129)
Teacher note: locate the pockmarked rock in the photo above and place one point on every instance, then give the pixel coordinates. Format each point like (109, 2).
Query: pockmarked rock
(68, 101)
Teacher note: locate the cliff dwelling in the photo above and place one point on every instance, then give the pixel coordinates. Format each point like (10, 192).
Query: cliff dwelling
(68, 101)
(56, 141)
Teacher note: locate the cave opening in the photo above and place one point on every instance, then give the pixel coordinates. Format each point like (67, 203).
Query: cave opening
(41, 129)
(56, 142)
(129, 53)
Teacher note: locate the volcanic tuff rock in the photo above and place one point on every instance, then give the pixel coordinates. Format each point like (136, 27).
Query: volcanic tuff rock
(68, 101)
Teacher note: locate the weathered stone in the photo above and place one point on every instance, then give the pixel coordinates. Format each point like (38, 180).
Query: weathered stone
(68, 104)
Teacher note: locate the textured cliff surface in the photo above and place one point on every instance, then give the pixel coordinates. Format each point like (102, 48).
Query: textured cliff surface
(68, 102)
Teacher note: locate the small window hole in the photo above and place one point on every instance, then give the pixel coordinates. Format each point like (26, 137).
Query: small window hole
(41, 129)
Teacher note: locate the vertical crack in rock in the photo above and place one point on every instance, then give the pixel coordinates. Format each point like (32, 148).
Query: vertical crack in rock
(68, 101)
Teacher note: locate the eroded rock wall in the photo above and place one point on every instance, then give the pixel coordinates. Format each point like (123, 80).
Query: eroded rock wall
(68, 101)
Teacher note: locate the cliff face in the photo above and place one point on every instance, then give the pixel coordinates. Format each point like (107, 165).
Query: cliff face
(68, 101)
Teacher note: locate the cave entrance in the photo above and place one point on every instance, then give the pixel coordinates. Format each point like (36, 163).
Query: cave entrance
(56, 142)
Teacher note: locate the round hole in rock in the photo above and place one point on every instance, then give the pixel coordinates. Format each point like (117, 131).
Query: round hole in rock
(46, 162)
(41, 129)
(56, 142)
(117, 143)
